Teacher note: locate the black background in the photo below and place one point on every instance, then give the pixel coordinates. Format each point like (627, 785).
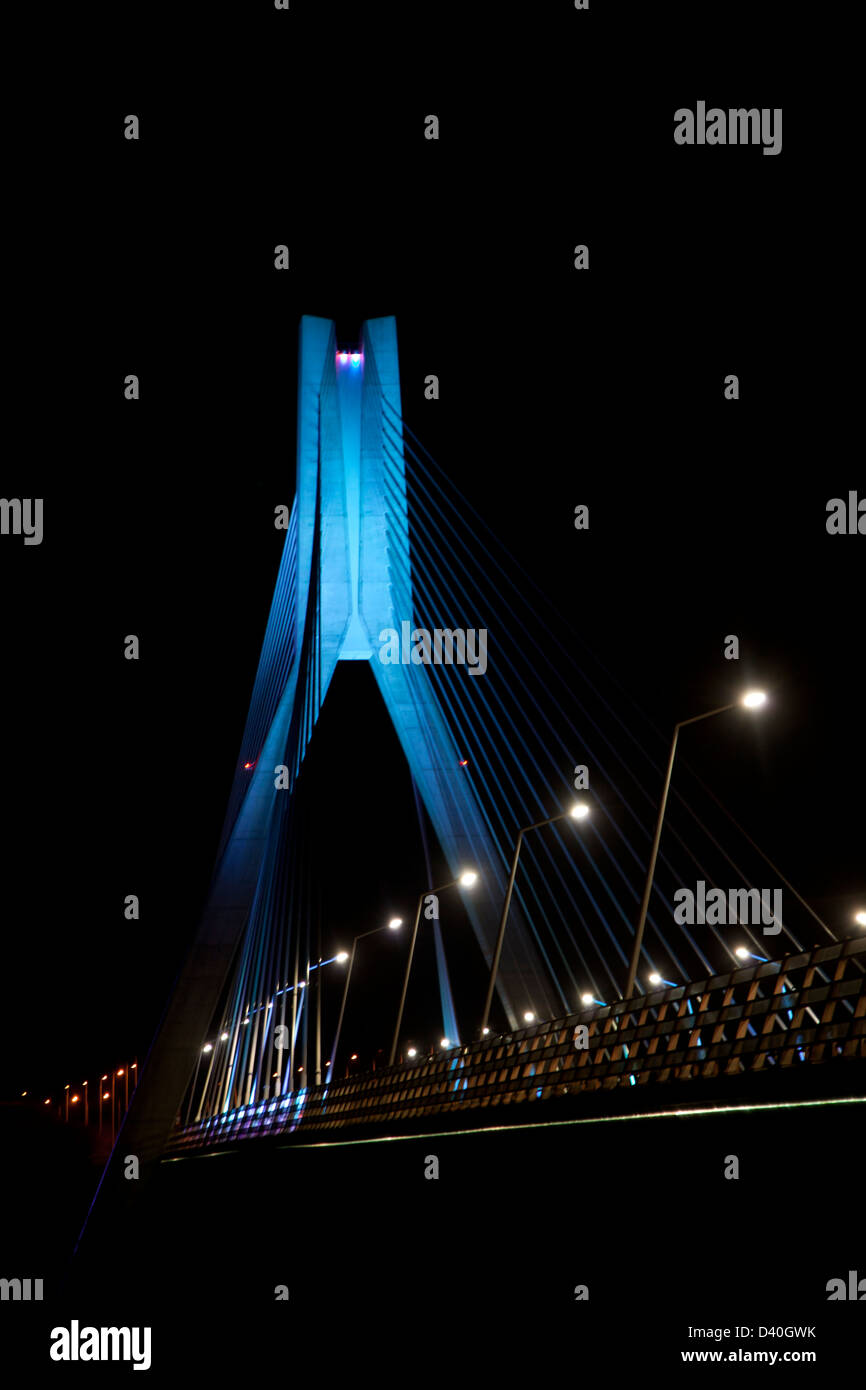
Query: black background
(557, 388)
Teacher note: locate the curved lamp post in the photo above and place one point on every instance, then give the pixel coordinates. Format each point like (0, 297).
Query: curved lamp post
(466, 880)
(394, 923)
(752, 700)
(576, 813)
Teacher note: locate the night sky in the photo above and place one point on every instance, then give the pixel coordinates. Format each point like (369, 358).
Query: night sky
(707, 517)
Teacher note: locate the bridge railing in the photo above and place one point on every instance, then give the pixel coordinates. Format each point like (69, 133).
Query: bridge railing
(802, 1010)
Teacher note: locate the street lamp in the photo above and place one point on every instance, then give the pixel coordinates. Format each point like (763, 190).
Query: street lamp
(753, 699)
(465, 880)
(577, 812)
(341, 957)
(860, 919)
(393, 925)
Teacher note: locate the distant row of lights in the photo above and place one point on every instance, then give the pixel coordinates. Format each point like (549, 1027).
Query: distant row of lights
(73, 1100)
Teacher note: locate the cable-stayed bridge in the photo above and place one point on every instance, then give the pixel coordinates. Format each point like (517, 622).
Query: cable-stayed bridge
(385, 563)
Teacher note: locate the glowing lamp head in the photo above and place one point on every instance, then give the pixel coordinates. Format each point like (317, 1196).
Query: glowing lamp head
(754, 699)
(580, 810)
(342, 957)
(412, 1052)
(445, 1043)
(74, 1100)
(655, 978)
(468, 877)
(105, 1096)
(742, 953)
(394, 923)
(354, 1057)
(529, 1016)
(224, 1037)
(208, 1047)
(464, 762)
(344, 356)
(356, 358)
(484, 1032)
(860, 919)
(586, 999)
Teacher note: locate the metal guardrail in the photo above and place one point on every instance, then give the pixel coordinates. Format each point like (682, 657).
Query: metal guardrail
(801, 1010)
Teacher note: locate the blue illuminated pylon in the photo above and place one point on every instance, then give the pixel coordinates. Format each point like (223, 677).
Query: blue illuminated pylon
(345, 577)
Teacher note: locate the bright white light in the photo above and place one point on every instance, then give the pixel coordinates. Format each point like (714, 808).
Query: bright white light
(445, 1043)
(356, 357)
(208, 1047)
(860, 919)
(587, 999)
(468, 877)
(742, 953)
(655, 978)
(395, 922)
(223, 1037)
(529, 1016)
(754, 699)
(485, 1031)
(342, 957)
(580, 810)
(412, 1052)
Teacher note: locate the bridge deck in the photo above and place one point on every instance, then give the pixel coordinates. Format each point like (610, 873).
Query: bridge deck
(790, 1014)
